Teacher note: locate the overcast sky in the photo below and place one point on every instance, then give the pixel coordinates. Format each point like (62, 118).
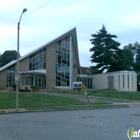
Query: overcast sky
(120, 17)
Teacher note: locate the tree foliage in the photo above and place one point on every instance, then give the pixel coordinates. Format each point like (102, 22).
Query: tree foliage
(7, 57)
(137, 57)
(105, 51)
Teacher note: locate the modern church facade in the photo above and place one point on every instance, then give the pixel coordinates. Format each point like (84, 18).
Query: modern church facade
(53, 65)
(56, 65)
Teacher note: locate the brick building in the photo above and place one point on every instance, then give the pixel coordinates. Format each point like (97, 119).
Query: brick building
(53, 65)
(56, 65)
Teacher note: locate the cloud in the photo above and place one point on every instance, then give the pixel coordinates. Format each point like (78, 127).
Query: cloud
(7, 4)
(55, 18)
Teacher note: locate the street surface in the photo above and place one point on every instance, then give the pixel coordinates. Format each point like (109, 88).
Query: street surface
(99, 124)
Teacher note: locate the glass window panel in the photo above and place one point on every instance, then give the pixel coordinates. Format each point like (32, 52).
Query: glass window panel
(59, 59)
(62, 59)
(67, 38)
(58, 83)
(38, 58)
(59, 43)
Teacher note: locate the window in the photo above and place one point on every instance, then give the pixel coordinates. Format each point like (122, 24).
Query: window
(132, 81)
(63, 62)
(87, 81)
(67, 38)
(59, 43)
(123, 81)
(119, 81)
(38, 60)
(38, 80)
(10, 79)
(128, 80)
(10, 76)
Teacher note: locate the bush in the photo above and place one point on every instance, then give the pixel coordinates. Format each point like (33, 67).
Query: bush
(24, 90)
(35, 88)
(14, 86)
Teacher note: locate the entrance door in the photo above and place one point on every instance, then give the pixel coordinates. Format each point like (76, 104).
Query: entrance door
(110, 82)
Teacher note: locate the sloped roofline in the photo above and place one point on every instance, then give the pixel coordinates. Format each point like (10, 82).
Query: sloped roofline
(70, 32)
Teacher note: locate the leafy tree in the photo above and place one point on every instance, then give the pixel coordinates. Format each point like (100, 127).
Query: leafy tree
(135, 52)
(137, 57)
(124, 61)
(134, 49)
(105, 51)
(8, 56)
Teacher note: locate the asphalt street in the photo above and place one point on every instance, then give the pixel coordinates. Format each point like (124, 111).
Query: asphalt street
(99, 124)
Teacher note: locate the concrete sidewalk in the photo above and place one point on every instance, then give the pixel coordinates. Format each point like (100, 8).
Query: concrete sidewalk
(4, 111)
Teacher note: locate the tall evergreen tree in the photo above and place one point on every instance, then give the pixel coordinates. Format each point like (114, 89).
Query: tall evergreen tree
(105, 51)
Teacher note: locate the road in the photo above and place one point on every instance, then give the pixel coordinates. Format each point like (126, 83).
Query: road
(100, 124)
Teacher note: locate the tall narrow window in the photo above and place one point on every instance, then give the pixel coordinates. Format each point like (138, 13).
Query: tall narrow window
(62, 62)
(119, 81)
(132, 82)
(10, 76)
(123, 81)
(128, 80)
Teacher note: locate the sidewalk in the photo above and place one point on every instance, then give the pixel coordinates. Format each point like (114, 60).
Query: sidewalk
(5, 111)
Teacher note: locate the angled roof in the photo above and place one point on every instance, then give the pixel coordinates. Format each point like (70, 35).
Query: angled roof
(86, 70)
(71, 32)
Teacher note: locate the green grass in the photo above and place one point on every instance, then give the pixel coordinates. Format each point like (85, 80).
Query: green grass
(67, 91)
(104, 93)
(35, 100)
(116, 94)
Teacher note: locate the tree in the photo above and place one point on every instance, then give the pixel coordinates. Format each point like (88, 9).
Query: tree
(134, 51)
(105, 51)
(124, 61)
(7, 57)
(136, 64)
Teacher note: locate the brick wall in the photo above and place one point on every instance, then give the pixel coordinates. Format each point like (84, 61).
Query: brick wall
(51, 66)
(3, 79)
(23, 64)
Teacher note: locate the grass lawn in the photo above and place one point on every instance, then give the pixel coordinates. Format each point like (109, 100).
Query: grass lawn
(32, 101)
(116, 94)
(35, 100)
(105, 93)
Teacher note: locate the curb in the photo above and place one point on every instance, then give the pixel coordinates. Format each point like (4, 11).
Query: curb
(64, 109)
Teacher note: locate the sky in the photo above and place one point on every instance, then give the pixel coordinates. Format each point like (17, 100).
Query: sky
(45, 20)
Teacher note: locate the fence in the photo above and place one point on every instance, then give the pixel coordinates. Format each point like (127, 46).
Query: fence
(122, 95)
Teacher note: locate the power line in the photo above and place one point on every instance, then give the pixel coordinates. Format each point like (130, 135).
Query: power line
(40, 7)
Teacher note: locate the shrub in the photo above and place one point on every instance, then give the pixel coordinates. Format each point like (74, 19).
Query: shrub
(34, 88)
(24, 90)
(14, 86)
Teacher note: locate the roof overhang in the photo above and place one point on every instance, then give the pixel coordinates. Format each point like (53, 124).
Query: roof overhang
(33, 72)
